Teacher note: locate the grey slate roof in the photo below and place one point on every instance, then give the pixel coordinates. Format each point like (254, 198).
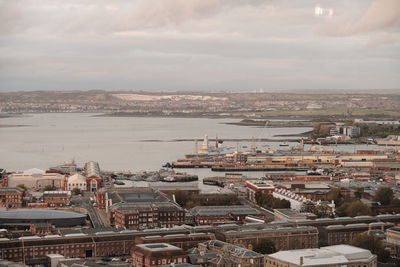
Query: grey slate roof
(39, 214)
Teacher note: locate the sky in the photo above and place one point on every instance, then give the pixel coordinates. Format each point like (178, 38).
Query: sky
(208, 45)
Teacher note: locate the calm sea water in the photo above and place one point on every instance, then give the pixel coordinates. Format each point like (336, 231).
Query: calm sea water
(116, 142)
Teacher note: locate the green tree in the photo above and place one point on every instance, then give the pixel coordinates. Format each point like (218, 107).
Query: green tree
(265, 246)
(308, 206)
(372, 244)
(181, 197)
(323, 211)
(353, 208)
(384, 195)
(49, 188)
(336, 196)
(76, 191)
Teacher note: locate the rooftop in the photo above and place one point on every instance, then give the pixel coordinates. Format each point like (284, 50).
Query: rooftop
(39, 214)
(158, 247)
(339, 254)
(223, 210)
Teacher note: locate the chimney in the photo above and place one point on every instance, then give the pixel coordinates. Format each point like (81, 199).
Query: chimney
(301, 261)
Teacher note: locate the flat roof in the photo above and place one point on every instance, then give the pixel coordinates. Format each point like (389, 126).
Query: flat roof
(158, 247)
(339, 254)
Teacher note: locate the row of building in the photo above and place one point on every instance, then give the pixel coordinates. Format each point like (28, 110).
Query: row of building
(89, 179)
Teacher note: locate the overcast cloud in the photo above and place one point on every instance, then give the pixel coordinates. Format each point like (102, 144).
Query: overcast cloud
(199, 44)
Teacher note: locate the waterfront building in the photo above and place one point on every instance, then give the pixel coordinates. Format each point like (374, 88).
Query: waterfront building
(94, 180)
(172, 188)
(11, 197)
(157, 254)
(331, 256)
(36, 179)
(77, 180)
(293, 177)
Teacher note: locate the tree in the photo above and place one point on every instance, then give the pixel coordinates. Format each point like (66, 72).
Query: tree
(384, 195)
(269, 201)
(336, 196)
(395, 202)
(373, 244)
(181, 197)
(308, 206)
(265, 246)
(323, 211)
(353, 208)
(76, 191)
(49, 188)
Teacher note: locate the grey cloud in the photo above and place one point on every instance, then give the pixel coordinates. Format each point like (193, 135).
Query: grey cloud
(381, 15)
(381, 39)
(186, 44)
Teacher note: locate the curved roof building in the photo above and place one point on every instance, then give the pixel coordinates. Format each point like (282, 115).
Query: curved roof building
(54, 217)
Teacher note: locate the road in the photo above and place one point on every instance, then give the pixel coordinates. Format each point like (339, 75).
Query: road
(84, 202)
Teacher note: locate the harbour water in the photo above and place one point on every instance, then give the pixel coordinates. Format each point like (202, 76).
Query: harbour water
(119, 143)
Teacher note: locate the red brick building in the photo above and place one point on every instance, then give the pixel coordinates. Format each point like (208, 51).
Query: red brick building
(57, 198)
(3, 178)
(254, 186)
(183, 241)
(215, 215)
(93, 177)
(296, 178)
(146, 215)
(41, 229)
(157, 254)
(139, 217)
(11, 197)
(76, 245)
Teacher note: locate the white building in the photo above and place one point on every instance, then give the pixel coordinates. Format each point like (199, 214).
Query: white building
(295, 200)
(77, 181)
(330, 256)
(36, 179)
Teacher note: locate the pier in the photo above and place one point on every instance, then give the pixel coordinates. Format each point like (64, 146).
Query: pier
(258, 168)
